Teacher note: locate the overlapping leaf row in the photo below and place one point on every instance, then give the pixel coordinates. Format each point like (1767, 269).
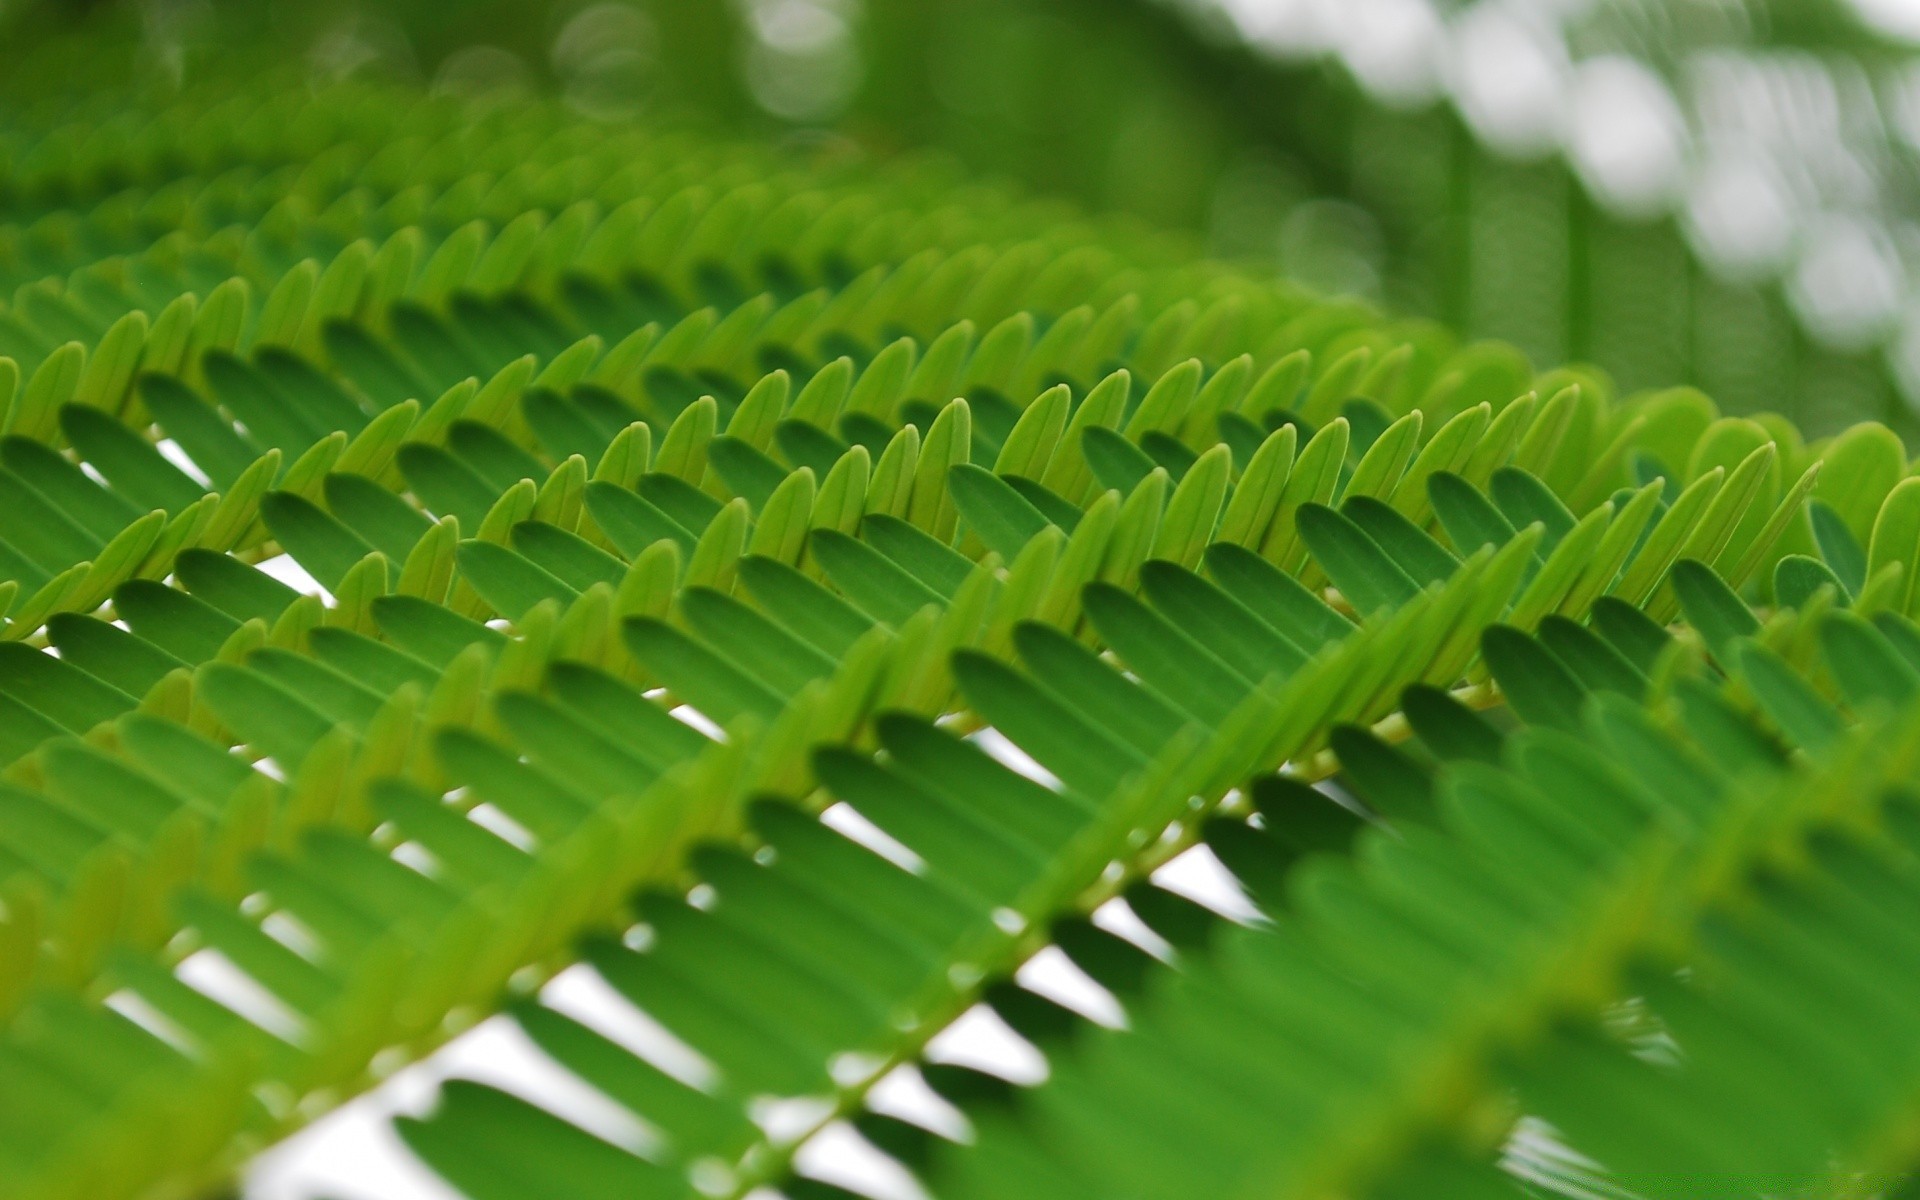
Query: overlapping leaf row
(315, 311)
(490, 1144)
(408, 179)
(1406, 1007)
(264, 176)
(493, 1145)
(1079, 722)
(289, 727)
(377, 705)
(246, 596)
(185, 633)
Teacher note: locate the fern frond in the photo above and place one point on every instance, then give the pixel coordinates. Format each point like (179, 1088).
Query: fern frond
(686, 516)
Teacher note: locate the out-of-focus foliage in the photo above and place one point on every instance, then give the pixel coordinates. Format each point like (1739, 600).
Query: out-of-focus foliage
(1706, 193)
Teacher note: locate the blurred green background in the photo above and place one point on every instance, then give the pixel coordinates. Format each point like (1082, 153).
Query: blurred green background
(1714, 192)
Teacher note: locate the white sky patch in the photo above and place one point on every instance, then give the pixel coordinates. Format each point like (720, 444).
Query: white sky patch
(581, 993)
(903, 1092)
(214, 975)
(1896, 18)
(982, 1040)
(1201, 877)
(1117, 917)
(1011, 756)
(1781, 168)
(689, 715)
(1052, 974)
(785, 1118)
(1627, 135)
(136, 1008)
(848, 821)
(171, 451)
(291, 932)
(353, 1152)
(417, 858)
(838, 1154)
(295, 576)
(502, 826)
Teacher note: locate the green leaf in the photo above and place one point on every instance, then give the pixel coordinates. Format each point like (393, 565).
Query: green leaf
(375, 664)
(35, 413)
(1523, 500)
(210, 441)
(130, 463)
(1258, 492)
(1838, 546)
(825, 621)
(1630, 631)
(1537, 684)
(494, 1146)
(509, 582)
(433, 633)
(264, 713)
(930, 561)
(1868, 668)
(1364, 573)
(567, 557)
(1004, 519)
(1663, 545)
(233, 587)
(1896, 539)
(325, 547)
(381, 519)
(1595, 661)
(1315, 475)
(1788, 699)
(632, 522)
(748, 472)
(689, 507)
(873, 582)
(1187, 526)
(1390, 782)
(188, 628)
(101, 512)
(1796, 578)
(1424, 560)
(1232, 631)
(1449, 728)
(782, 661)
(1276, 597)
(1080, 754)
(445, 484)
(1470, 519)
(1447, 451)
(110, 653)
(697, 674)
(65, 695)
(1860, 467)
(1117, 463)
(1711, 605)
(1386, 460)
(1132, 715)
(1168, 659)
(343, 701)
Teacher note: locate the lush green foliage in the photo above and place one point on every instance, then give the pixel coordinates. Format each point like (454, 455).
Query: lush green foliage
(1566, 740)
